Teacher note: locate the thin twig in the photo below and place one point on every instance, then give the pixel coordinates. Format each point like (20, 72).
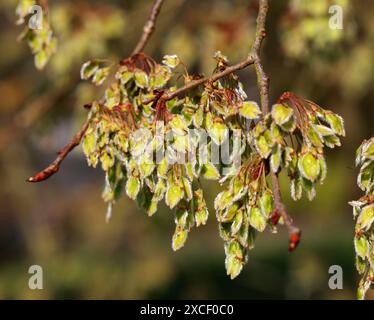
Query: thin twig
(262, 79)
(55, 165)
(251, 59)
(149, 27)
(239, 66)
(168, 95)
(294, 232)
(263, 84)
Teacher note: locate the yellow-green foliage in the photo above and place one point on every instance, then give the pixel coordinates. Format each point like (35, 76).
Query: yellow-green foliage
(363, 213)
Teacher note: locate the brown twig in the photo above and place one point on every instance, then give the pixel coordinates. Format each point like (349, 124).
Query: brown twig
(55, 165)
(252, 58)
(294, 232)
(168, 95)
(239, 66)
(149, 27)
(263, 84)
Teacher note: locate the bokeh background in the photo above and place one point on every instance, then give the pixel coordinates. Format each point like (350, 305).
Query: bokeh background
(60, 224)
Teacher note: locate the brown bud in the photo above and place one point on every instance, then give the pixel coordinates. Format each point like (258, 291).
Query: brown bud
(294, 240)
(274, 217)
(45, 174)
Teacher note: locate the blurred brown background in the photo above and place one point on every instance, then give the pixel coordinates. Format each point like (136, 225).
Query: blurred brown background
(60, 225)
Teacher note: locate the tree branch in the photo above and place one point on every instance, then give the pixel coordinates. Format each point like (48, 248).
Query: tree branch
(294, 232)
(262, 79)
(239, 66)
(252, 58)
(149, 26)
(55, 165)
(263, 84)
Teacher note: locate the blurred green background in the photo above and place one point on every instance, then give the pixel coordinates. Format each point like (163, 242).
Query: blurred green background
(60, 224)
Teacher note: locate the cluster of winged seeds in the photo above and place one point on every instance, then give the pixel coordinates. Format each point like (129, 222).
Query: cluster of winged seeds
(158, 148)
(38, 33)
(363, 213)
(293, 136)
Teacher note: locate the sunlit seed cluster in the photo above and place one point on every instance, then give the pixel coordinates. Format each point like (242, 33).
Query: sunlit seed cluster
(293, 137)
(363, 213)
(145, 146)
